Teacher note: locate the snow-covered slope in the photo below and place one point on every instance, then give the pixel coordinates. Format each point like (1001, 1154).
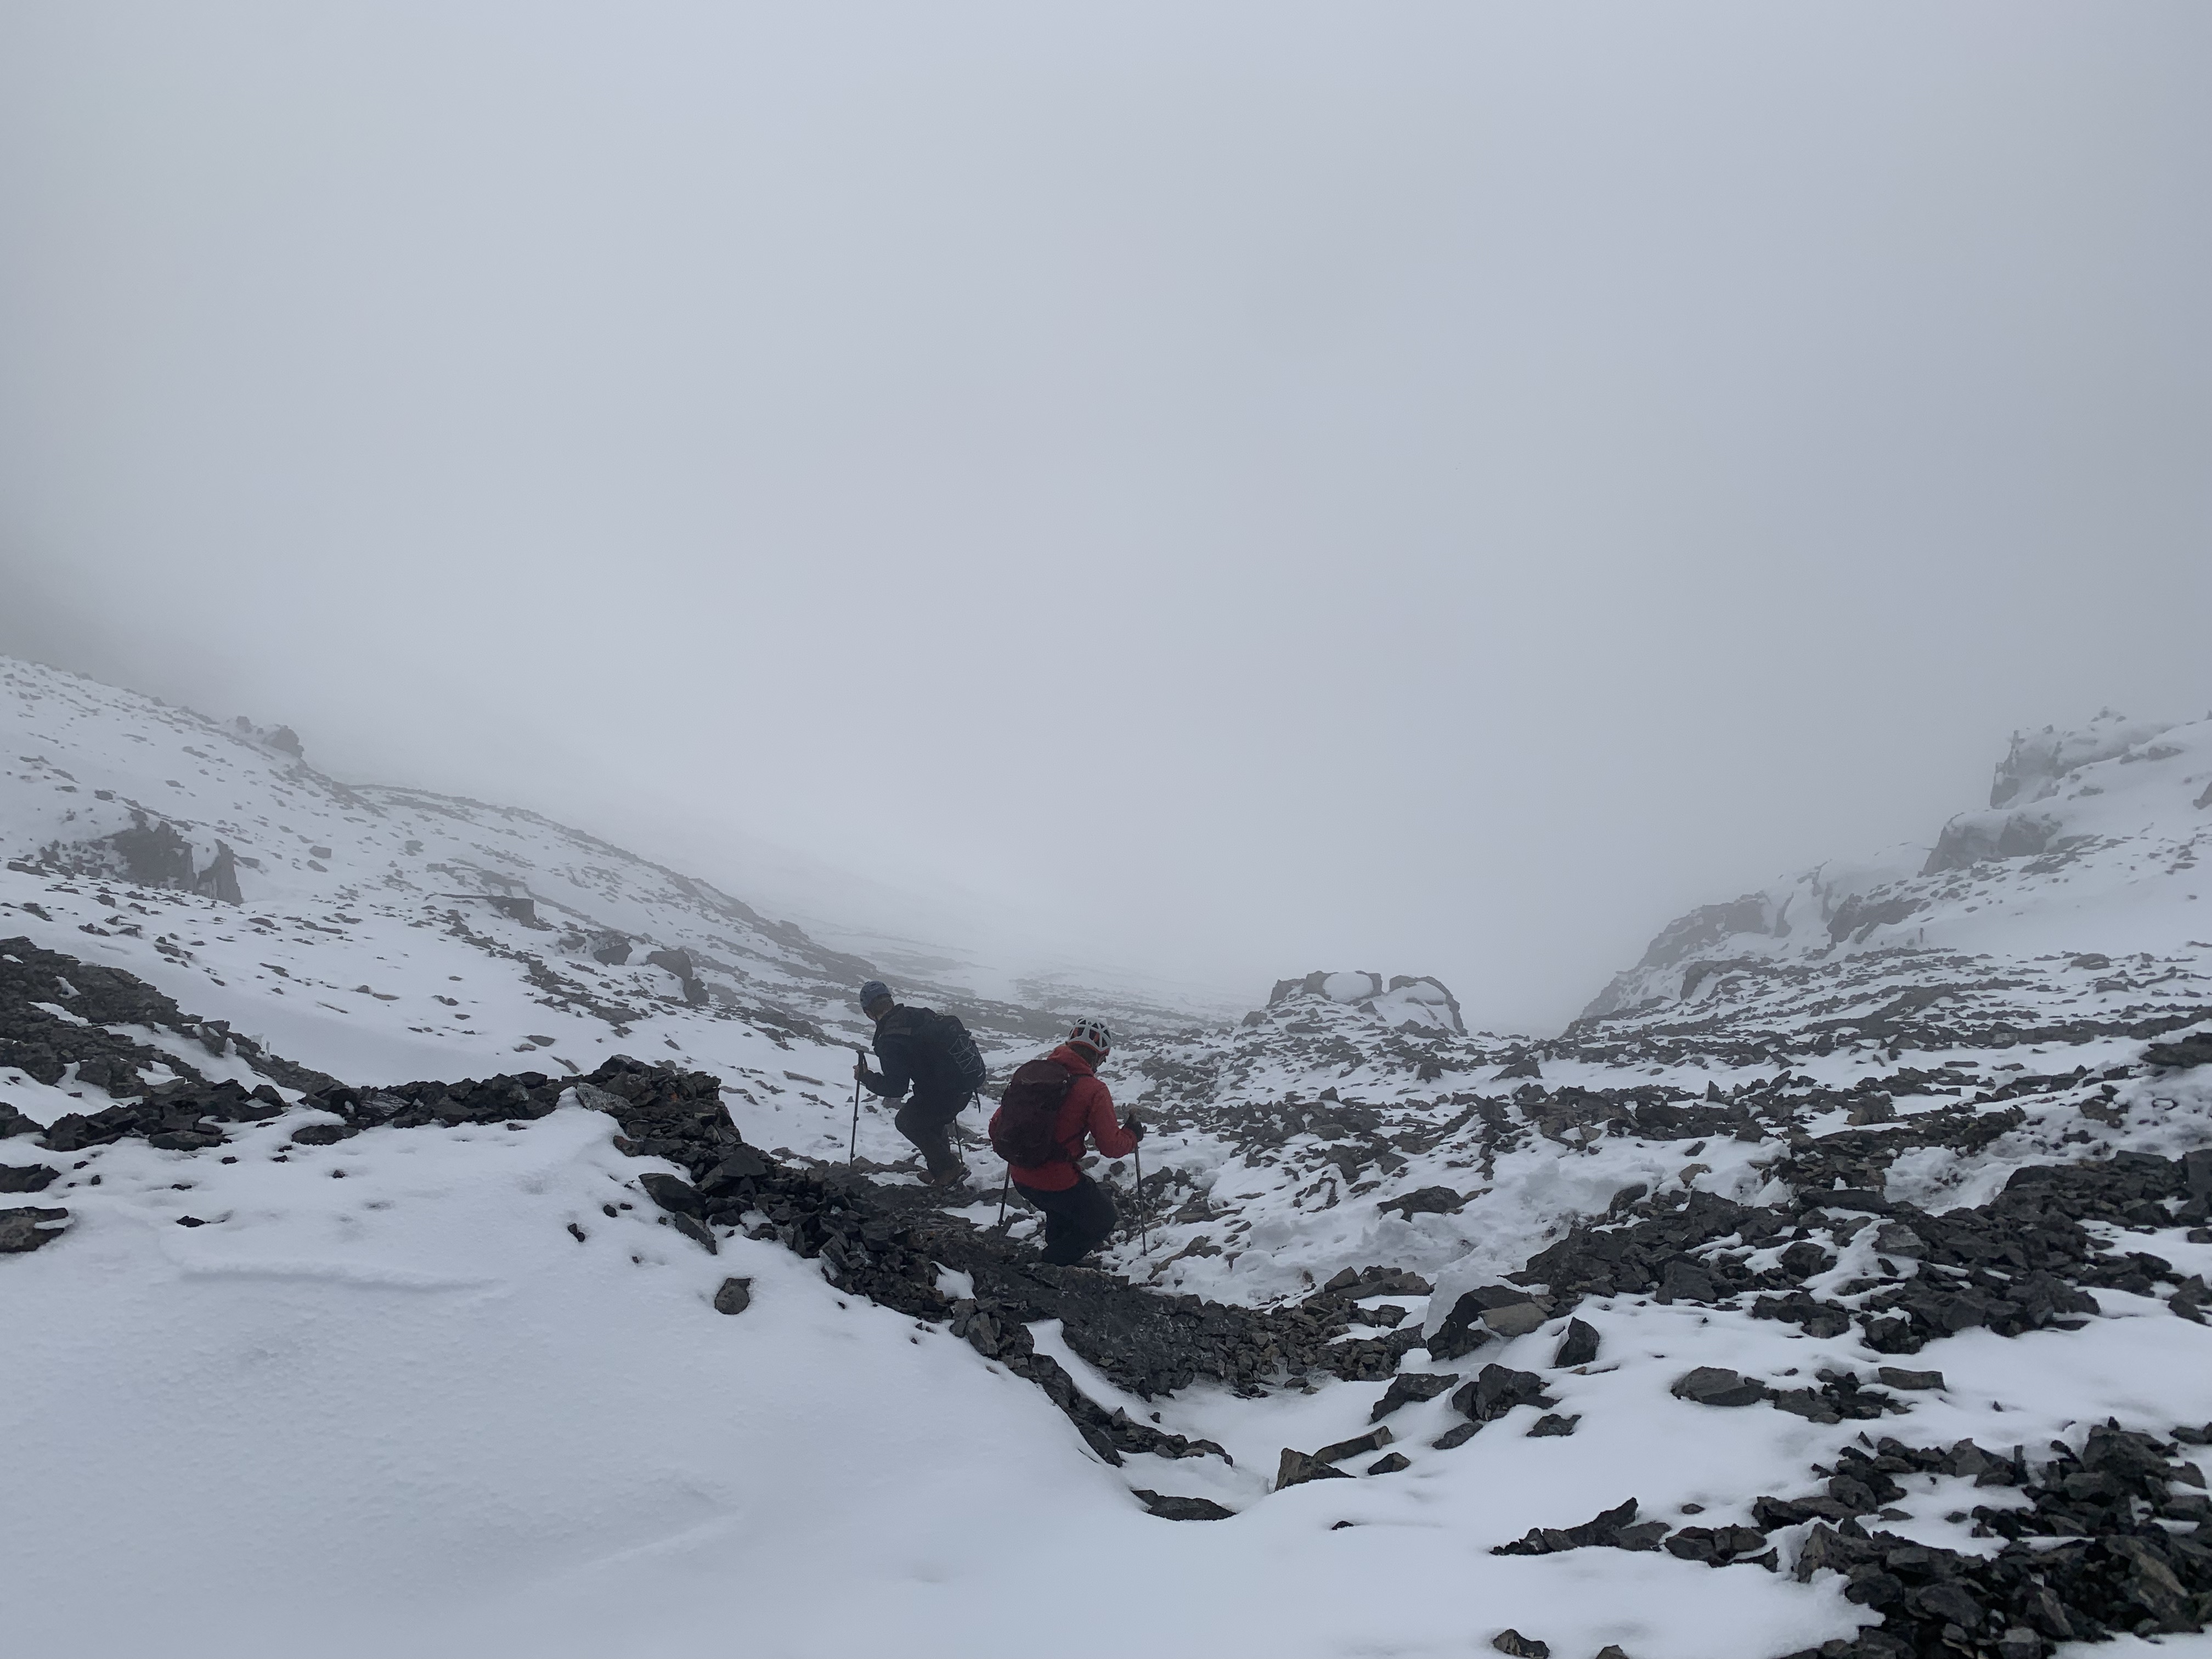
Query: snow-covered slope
(385, 932)
(2089, 848)
(1836, 1260)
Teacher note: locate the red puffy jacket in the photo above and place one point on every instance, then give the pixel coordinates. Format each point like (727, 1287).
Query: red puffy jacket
(1088, 1111)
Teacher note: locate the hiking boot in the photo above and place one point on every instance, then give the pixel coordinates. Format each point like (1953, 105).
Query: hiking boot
(956, 1175)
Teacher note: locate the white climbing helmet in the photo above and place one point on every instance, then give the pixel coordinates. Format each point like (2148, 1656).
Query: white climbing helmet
(1093, 1034)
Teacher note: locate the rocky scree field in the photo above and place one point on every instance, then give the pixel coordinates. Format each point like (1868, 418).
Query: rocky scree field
(1834, 1295)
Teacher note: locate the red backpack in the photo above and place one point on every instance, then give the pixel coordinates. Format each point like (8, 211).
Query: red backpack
(1026, 1131)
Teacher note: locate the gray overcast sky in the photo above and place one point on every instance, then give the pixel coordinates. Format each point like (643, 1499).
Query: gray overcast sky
(1235, 488)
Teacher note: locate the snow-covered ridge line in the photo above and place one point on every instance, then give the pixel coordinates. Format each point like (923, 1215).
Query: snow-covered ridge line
(113, 788)
(2090, 848)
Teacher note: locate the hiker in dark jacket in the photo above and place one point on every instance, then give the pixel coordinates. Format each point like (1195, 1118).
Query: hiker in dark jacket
(1079, 1213)
(908, 1042)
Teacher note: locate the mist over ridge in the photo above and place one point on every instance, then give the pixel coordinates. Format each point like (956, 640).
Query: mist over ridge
(1446, 501)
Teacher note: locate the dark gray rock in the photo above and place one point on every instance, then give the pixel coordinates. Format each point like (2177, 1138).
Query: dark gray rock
(673, 1193)
(153, 853)
(1685, 1281)
(1374, 1440)
(1715, 1385)
(2195, 1049)
(1551, 1424)
(23, 1228)
(1717, 1547)
(1503, 1309)
(679, 963)
(1409, 1388)
(1357, 1282)
(1390, 1465)
(1171, 1508)
(1804, 1259)
(1426, 1200)
(1297, 1468)
(734, 1297)
(2196, 1170)
(1895, 1238)
(1497, 1390)
(1896, 1378)
(27, 1177)
(1615, 1529)
(1577, 1347)
(1971, 839)
(1455, 1341)
(220, 879)
(696, 1230)
(1515, 1318)
(1513, 1644)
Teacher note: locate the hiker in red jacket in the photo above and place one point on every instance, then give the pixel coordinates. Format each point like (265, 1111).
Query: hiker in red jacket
(1043, 1118)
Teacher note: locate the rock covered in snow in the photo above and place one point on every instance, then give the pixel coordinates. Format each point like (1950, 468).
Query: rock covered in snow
(1405, 1003)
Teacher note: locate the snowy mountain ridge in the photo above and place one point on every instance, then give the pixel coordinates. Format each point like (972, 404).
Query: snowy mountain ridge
(386, 1267)
(106, 783)
(2089, 848)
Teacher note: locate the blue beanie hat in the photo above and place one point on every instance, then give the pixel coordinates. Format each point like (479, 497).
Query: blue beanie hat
(873, 992)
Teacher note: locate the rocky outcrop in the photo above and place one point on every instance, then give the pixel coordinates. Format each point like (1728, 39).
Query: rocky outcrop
(56, 1014)
(1419, 1003)
(1979, 838)
(2039, 763)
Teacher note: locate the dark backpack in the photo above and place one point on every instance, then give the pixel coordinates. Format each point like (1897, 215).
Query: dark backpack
(934, 1048)
(954, 1051)
(1026, 1131)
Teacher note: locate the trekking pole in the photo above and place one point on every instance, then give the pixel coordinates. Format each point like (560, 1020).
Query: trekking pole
(1144, 1228)
(1003, 1186)
(853, 1152)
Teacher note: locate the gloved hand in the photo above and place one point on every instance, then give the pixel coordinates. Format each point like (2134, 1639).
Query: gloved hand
(1134, 1124)
(861, 1071)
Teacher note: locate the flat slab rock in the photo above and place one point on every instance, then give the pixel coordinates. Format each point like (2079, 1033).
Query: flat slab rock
(1171, 1508)
(25, 1227)
(1716, 1385)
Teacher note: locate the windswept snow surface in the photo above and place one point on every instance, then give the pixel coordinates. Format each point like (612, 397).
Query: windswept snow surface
(407, 1410)
(462, 1390)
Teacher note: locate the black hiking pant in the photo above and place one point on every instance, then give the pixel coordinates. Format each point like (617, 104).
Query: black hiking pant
(926, 1121)
(1076, 1222)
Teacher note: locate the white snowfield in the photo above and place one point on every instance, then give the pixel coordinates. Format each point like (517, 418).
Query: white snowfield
(408, 1412)
(461, 1392)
